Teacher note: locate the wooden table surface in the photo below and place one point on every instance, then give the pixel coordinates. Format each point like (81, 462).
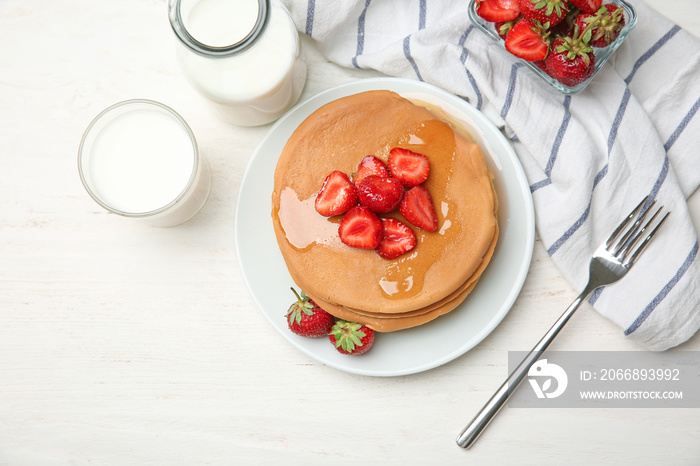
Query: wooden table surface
(122, 343)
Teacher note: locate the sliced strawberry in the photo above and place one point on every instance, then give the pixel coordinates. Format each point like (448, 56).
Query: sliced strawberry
(410, 167)
(398, 239)
(360, 228)
(503, 27)
(587, 6)
(417, 208)
(498, 10)
(369, 166)
(337, 195)
(380, 194)
(525, 40)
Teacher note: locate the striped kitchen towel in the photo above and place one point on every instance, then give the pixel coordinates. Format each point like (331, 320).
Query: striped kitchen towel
(589, 158)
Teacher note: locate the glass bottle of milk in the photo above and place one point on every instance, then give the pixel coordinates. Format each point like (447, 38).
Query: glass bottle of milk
(243, 55)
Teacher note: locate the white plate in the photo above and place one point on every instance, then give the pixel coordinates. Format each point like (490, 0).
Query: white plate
(412, 350)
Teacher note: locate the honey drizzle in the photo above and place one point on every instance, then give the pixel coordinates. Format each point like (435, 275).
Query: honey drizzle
(302, 225)
(435, 139)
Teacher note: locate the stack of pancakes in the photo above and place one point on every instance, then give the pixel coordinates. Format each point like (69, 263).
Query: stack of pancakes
(357, 284)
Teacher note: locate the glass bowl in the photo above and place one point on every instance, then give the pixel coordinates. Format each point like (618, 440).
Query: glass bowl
(601, 54)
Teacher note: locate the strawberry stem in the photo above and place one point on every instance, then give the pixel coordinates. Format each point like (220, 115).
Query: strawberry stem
(592, 25)
(301, 301)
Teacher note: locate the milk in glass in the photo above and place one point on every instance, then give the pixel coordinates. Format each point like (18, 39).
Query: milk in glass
(139, 159)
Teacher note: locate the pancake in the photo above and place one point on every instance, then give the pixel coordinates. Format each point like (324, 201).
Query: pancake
(443, 268)
(394, 322)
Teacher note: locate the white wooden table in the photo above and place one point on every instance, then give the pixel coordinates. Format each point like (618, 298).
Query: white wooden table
(122, 343)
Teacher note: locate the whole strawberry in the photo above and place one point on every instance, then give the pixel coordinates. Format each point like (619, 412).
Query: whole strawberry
(570, 61)
(604, 25)
(544, 11)
(305, 318)
(587, 6)
(351, 338)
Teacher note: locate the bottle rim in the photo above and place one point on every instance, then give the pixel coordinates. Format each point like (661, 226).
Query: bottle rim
(178, 26)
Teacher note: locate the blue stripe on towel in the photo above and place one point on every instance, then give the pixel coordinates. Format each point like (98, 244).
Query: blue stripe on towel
(618, 119)
(511, 89)
(422, 11)
(659, 181)
(470, 77)
(360, 34)
(596, 294)
(310, 9)
(677, 132)
(664, 291)
(652, 50)
(540, 184)
(559, 137)
(555, 147)
(407, 54)
(568, 233)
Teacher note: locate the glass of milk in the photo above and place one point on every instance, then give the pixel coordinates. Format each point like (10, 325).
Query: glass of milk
(243, 55)
(139, 159)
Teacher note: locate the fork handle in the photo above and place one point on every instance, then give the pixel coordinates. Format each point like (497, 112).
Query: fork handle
(470, 433)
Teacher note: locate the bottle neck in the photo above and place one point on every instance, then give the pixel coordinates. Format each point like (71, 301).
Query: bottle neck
(178, 24)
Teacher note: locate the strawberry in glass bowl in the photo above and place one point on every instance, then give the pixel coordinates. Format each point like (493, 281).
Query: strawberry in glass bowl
(564, 42)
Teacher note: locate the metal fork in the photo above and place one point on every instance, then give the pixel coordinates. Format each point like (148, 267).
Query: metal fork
(610, 262)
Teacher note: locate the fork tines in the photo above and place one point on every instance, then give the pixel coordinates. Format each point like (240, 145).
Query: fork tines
(623, 240)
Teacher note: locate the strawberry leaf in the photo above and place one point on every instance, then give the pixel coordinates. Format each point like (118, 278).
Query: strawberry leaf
(347, 335)
(586, 59)
(302, 306)
(587, 36)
